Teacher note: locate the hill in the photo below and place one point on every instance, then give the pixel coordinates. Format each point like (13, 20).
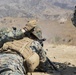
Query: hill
(43, 9)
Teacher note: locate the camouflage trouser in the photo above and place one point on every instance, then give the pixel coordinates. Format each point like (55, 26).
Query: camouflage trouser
(11, 64)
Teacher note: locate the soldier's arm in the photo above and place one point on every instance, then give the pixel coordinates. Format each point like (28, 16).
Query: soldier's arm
(16, 33)
(37, 47)
(10, 35)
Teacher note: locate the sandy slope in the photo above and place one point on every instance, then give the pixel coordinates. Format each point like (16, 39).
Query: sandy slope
(62, 53)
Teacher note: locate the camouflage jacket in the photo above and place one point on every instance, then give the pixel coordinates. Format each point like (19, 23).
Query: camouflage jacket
(12, 62)
(7, 34)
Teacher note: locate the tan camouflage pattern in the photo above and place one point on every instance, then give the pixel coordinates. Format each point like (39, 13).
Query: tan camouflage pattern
(37, 32)
(23, 47)
(36, 29)
(30, 25)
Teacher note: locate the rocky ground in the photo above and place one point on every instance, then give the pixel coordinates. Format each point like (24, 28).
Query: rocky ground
(60, 45)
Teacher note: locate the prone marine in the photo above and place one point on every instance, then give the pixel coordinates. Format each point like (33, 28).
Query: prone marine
(21, 50)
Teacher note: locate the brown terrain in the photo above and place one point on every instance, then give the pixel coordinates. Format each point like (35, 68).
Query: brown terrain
(60, 44)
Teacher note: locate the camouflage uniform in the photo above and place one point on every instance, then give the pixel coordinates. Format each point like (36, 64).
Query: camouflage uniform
(7, 34)
(12, 63)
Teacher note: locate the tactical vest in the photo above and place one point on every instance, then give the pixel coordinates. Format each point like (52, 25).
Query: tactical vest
(23, 46)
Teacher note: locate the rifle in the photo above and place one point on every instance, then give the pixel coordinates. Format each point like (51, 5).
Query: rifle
(41, 41)
(54, 67)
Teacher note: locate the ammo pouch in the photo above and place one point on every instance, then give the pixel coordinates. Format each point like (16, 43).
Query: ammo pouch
(23, 47)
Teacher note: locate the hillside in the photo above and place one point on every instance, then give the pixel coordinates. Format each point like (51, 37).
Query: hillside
(43, 9)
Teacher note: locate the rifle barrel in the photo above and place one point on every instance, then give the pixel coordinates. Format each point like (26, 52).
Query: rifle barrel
(52, 64)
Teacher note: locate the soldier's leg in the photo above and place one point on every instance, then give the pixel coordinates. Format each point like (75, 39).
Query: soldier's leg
(11, 64)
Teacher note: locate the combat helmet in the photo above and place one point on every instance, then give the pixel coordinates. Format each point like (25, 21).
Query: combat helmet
(36, 30)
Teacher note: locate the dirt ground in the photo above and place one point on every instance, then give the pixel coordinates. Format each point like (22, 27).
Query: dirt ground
(64, 56)
(60, 45)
